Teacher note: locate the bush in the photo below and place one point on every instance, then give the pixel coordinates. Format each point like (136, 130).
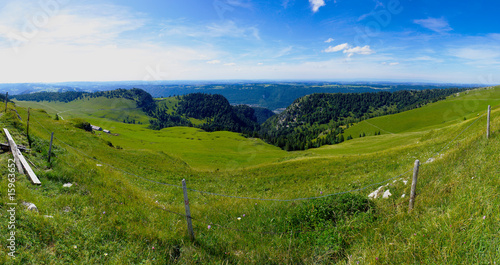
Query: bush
(320, 212)
(328, 223)
(82, 124)
(109, 143)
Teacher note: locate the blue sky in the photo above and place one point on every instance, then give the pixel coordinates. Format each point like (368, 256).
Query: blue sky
(330, 40)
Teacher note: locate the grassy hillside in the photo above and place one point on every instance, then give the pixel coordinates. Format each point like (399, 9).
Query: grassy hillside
(119, 217)
(118, 109)
(454, 109)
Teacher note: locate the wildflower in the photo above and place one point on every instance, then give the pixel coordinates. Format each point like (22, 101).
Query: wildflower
(243, 215)
(209, 226)
(376, 258)
(103, 212)
(414, 234)
(75, 246)
(239, 218)
(153, 247)
(484, 217)
(320, 192)
(105, 254)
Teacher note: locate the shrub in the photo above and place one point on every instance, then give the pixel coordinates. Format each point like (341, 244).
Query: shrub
(319, 212)
(82, 124)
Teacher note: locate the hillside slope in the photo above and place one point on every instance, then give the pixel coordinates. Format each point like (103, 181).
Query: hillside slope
(320, 119)
(123, 208)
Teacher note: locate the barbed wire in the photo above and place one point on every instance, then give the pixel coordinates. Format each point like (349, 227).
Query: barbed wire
(470, 125)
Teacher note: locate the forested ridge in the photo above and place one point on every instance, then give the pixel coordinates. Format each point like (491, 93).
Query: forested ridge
(320, 118)
(143, 99)
(311, 121)
(214, 110)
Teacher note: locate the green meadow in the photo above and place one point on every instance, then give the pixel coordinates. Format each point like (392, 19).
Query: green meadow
(123, 209)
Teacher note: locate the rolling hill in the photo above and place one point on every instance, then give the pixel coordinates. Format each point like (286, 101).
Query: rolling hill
(125, 205)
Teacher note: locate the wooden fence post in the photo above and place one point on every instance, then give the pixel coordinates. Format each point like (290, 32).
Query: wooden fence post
(50, 147)
(488, 124)
(28, 128)
(6, 100)
(188, 211)
(414, 184)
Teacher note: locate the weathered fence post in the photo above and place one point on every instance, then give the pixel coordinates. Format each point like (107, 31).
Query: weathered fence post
(188, 211)
(6, 100)
(50, 147)
(488, 124)
(414, 184)
(28, 128)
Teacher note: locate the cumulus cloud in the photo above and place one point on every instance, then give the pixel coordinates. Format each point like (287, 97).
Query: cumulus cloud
(316, 4)
(329, 40)
(365, 50)
(337, 48)
(349, 50)
(439, 25)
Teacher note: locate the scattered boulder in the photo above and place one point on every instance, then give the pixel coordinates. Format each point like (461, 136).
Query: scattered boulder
(375, 193)
(30, 206)
(387, 194)
(67, 185)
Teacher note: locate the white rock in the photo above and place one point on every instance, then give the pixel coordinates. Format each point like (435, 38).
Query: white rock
(430, 160)
(48, 216)
(67, 185)
(402, 196)
(387, 193)
(30, 206)
(374, 194)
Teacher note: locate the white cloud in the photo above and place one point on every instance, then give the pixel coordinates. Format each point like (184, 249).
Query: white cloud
(393, 64)
(329, 40)
(213, 62)
(283, 52)
(230, 29)
(337, 48)
(244, 4)
(260, 63)
(349, 50)
(439, 25)
(230, 64)
(426, 58)
(75, 25)
(226, 28)
(365, 50)
(477, 55)
(87, 43)
(316, 4)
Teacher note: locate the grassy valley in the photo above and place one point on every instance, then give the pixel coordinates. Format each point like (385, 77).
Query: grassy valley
(120, 209)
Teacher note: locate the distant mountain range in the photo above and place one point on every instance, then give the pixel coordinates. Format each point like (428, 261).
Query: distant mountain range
(268, 94)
